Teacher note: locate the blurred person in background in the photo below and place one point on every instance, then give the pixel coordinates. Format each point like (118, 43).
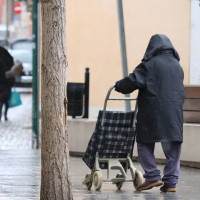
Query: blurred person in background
(8, 70)
(159, 79)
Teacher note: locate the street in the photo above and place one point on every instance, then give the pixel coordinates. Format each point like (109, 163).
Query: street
(20, 168)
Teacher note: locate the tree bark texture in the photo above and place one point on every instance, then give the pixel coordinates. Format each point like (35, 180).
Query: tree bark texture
(55, 179)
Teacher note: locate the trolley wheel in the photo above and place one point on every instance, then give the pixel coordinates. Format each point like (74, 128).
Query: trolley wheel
(88, 181)
(138, 179)
(119, 184)
(97, 180)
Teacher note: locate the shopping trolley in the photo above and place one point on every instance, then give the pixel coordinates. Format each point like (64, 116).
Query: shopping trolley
(111, 147)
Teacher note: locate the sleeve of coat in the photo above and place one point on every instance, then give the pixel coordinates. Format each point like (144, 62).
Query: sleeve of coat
(134, 81)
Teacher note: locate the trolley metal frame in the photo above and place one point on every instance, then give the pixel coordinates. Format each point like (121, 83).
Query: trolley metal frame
(95, 177)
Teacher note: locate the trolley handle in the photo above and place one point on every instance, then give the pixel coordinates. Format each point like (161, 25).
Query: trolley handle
(125, 99)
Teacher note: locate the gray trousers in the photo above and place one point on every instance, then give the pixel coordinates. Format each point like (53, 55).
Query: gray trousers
(172, 151)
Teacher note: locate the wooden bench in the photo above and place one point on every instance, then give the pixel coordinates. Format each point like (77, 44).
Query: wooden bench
(191, 106)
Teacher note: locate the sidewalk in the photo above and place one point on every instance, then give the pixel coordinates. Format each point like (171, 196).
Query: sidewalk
(20, 168)
(20, 180)
(16, 133)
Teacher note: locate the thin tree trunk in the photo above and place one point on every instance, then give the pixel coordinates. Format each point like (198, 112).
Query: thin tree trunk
(55, 180)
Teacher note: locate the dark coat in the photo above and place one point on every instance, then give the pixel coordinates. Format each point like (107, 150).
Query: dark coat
(6, 63)
(159, 78)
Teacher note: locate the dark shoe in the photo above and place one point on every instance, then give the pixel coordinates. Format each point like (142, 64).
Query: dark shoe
(147, 185)
(167, 189)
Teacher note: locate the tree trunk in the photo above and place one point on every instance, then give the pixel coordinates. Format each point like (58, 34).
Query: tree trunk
(55, 179)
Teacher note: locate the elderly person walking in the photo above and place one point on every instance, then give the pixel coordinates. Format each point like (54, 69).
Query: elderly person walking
(159, 78)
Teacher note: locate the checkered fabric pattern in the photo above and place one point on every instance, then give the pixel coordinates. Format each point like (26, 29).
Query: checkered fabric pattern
(115, 139)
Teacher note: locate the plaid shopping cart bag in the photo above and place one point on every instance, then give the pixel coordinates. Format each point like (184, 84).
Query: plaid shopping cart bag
(115, 139)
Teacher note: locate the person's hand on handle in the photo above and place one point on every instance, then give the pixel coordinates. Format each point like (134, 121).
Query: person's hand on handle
(116, 86)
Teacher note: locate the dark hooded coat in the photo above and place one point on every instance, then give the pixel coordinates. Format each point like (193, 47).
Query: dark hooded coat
(159, 78)
(6, 63)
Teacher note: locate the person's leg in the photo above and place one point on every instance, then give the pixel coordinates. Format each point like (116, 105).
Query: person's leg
(1, 106)
(172, 151)
(147, 160)
(6, 111)
(6, 96)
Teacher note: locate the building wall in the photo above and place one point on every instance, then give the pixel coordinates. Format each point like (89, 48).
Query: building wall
(93, 38)
(6, 17)
(1, 9)
(195, 43)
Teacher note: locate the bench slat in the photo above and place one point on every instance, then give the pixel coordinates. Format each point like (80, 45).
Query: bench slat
(192, 91)
(191, 105)
(191, 117)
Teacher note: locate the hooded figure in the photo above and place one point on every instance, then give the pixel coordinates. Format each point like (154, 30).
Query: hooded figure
(6, 63)
(159, 78)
